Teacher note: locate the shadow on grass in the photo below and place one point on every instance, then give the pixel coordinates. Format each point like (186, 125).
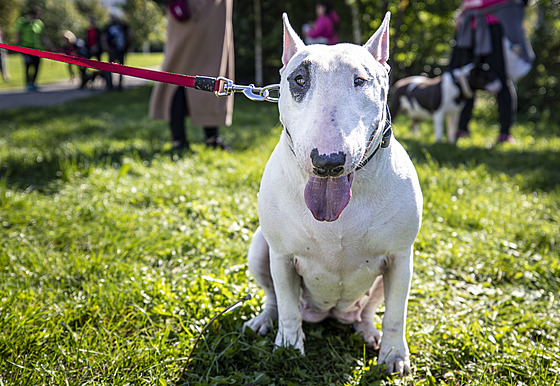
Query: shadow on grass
(334, 355)
(47, 144)
(41, 175)
(539, 169)
(44, 145)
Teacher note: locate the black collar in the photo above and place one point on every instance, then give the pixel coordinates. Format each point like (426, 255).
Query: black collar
(385, 140)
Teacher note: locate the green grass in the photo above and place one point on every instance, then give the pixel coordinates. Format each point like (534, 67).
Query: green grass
(114, 255)
(51, 71)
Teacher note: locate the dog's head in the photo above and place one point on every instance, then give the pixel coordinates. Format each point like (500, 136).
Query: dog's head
(477, 77)
(333, 108)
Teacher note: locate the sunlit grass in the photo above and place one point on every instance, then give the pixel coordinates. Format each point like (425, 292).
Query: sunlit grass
(115, 253)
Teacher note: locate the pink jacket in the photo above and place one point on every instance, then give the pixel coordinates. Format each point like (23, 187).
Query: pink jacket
(325, 26)
(481, 4)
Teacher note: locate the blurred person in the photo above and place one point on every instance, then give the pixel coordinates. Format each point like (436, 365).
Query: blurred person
(116, 37)
(31, 34)
(482, 26)
(93, 40)
(3, 59)
(199, 42)
(72, 45)
(324, 29)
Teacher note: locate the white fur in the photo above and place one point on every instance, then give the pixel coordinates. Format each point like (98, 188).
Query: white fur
(448, 110)
(310, 269)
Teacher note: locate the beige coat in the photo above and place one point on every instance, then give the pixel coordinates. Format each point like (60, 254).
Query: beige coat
(202, 45)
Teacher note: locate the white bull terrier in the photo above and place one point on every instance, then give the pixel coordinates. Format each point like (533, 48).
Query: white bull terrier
(340, 204)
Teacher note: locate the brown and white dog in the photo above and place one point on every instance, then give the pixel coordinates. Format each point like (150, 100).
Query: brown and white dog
(441, 98)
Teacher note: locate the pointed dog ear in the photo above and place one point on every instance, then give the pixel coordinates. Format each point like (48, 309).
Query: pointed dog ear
(378, 43)
(292, 42)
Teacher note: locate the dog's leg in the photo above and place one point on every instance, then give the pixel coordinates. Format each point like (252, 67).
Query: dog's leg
(287, 284)
(438, 126)
(452, 123)
(415, 128)
(259, 265)
(366, 327)
(396, 280)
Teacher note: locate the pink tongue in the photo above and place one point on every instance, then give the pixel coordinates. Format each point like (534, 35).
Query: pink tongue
(327, 197)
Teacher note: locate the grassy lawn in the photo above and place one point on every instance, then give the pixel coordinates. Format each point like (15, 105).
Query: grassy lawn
(51, 71)
(114, 255)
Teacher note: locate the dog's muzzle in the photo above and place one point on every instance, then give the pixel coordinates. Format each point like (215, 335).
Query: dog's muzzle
(328, 191)
(328, 165)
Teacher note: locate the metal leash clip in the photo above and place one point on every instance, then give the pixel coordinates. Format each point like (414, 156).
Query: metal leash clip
(250, 91)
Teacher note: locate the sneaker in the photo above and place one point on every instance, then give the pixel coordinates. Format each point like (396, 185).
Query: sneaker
(217, 143)
(503, 137)
(462, 134)
(181, 146)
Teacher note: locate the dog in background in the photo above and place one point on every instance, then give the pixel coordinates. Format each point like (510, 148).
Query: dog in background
(441, 98)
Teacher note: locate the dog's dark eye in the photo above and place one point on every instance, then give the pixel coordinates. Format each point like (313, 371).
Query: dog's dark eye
(359, 81)
(300, 80)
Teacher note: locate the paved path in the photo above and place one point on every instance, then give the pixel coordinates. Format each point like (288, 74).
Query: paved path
(56, 93)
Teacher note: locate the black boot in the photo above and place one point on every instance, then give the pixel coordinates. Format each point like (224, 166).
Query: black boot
(214, 141)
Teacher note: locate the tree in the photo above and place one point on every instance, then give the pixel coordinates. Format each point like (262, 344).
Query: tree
(539, 92)
(147, 21)
(89, 8)
(10, 10)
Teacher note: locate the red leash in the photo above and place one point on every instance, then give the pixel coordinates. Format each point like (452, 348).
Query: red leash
(220, 86)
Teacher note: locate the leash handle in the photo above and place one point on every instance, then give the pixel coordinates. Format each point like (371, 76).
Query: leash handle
(220, 86)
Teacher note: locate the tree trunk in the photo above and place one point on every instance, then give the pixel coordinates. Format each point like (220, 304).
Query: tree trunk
(258, 43)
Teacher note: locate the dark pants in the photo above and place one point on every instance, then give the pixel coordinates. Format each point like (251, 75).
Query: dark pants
(178, 112)
(31, 68)
(507, 97)
(115, 56)
(3, 69)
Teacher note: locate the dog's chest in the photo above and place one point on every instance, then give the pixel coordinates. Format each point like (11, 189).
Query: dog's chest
(341, 270)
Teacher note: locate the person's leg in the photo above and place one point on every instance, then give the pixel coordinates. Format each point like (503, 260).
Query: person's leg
(507, 97)
(465, 117)
(120, 60)
(213, 139)
(109, 75)
(459, 58)
(3, 70)
(27, 65)
(177, 123)
(36, 61)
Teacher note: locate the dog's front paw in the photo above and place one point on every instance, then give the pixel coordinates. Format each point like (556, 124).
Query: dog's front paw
(370, 334)
(397, 361)
(295, 340)
(261, 324)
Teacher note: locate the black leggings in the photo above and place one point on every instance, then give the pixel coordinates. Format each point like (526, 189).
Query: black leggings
(177, 124)
(507, 97)
(178, 112)
(31, 61)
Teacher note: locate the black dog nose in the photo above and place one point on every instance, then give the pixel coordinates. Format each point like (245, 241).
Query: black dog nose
(328, 165)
